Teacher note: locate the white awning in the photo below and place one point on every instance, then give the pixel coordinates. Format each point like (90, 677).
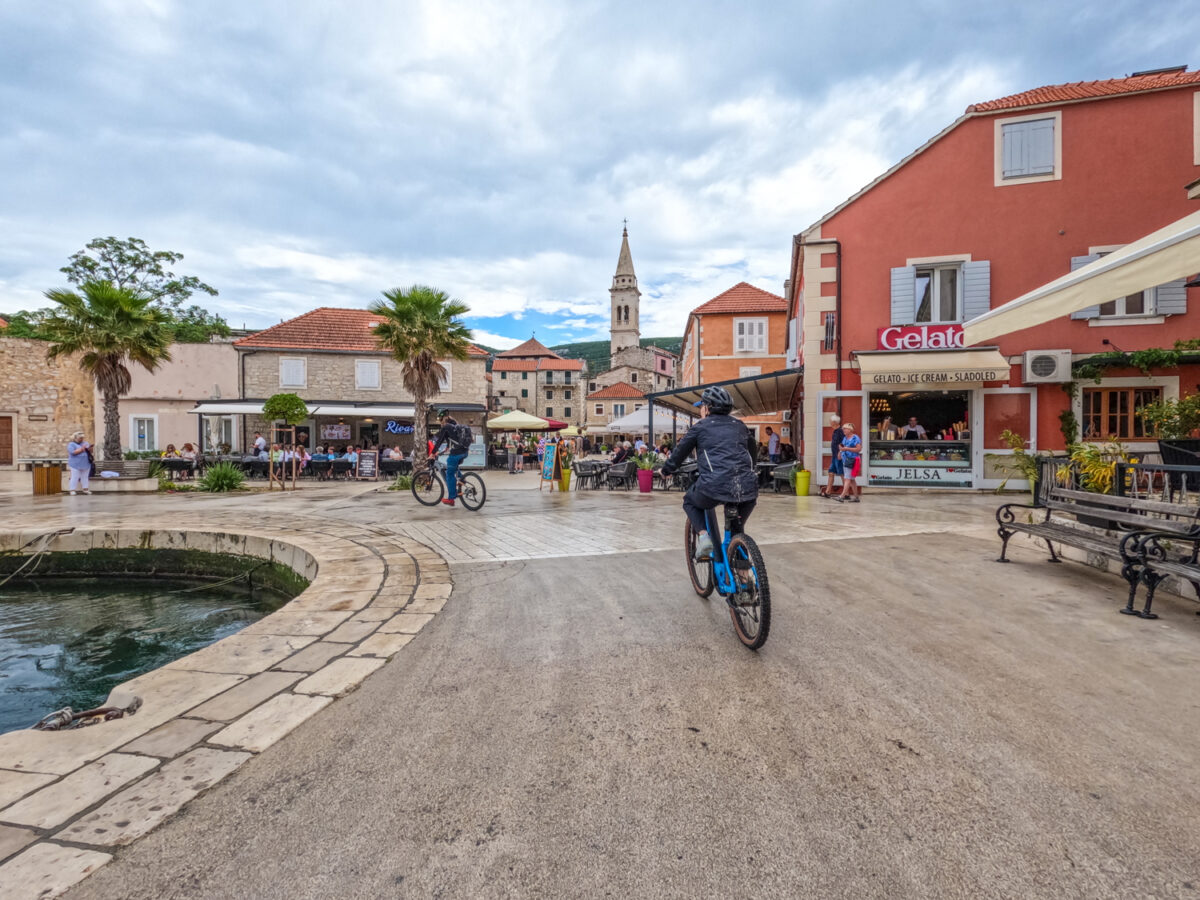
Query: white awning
(1166, 255)
(935, 368)
(380, 411)
(228, 408)
(754, 395)
(636, 422)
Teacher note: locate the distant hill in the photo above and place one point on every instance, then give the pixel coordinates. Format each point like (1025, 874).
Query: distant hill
(596, 353)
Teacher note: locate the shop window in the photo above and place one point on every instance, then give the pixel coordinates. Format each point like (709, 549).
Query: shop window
(144, 430)
(293, 372)
(1110, 413)
(1028, 149)
(366, 374)
(750, 335)
(618, 410)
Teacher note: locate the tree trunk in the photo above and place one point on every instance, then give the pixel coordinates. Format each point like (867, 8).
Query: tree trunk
(112, 426)
(420, 430)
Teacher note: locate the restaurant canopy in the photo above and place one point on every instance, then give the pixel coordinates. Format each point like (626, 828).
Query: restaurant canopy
(517, 420)
(754, 395)
(1165, 255)
(255, 407)
(931, 368)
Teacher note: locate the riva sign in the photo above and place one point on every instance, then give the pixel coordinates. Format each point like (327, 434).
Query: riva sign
(921, 337)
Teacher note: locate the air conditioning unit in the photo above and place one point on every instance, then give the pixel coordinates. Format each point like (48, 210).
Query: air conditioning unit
(1047, 366)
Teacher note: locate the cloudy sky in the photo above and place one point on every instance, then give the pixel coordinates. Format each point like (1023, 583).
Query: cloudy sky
(307, 154)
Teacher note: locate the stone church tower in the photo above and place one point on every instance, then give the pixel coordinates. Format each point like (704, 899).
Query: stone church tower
(625, 296)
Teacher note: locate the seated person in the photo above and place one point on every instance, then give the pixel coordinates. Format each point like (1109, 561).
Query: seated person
(396, 453)
(170, 452)
(622, 453)
(352, 455)
(188, 452)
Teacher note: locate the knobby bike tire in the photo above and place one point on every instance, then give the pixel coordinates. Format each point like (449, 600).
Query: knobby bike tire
(472, 492)
(428, 488)
(701, 572)
(751, 621)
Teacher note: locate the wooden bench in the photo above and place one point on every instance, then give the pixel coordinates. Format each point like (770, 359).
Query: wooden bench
(1107, 525)
(126, 468)
(1162, 555)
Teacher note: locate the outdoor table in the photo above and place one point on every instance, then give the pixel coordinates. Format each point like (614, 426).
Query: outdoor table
(340, 468)
(765, 470)
(172, 464)
(395, 466)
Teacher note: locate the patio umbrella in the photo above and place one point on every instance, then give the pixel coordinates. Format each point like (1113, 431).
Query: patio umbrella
(517, 420)
(636, 421)
(571, 431)
(555, 425)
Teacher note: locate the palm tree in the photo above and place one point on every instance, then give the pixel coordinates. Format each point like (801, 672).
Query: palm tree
(420, 326)
(111, 327)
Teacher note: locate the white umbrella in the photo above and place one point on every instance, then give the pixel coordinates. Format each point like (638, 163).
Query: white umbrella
(636, 422)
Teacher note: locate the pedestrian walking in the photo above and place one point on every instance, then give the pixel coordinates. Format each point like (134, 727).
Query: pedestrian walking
(835, 458)
(772, 445)
(851, 462)
(79, 462)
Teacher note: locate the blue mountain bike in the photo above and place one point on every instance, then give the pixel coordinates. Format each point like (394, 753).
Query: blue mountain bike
(737, 572)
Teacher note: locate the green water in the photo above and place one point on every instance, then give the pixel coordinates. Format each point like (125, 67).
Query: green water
(68, 642)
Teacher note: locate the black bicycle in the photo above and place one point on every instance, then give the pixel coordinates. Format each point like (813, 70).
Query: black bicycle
(738, 573)
(429, 486)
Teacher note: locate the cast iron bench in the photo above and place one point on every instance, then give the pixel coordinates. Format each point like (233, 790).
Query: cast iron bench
(1107, 525)
(1161, 555)
(781, 477)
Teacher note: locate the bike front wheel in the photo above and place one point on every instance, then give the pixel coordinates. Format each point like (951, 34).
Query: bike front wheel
(471, 491)
(700, 571)
(750, 604)
(427, 488)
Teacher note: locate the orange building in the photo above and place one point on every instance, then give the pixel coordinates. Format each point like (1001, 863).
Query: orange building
(739, 333)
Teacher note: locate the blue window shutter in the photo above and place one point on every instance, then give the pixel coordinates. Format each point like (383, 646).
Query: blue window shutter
(1014, 138)
(1090, 312)
(904, 298)
(977, 288)
(1041, 147)
(1170, 299)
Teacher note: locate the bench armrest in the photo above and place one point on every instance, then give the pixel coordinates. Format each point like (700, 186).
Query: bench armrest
(1149, 545)
(1005, 514)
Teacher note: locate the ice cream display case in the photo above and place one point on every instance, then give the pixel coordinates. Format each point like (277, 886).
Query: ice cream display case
(926, 463)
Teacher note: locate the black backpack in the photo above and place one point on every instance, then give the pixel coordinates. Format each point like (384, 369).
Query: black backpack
(464, 437)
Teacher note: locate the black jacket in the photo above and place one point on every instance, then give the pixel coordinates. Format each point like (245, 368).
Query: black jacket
(448, 434)
(725, 453)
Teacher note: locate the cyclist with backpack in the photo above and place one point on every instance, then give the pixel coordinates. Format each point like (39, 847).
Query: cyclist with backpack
(725, 450)
(458, 439)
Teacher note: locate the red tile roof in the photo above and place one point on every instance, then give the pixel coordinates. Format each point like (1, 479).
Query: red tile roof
(532, 347)
(514, 365)
(622, 390)
(326, 328)
(742, 298)
(558, 364)
(1089, 90)
(3, 322)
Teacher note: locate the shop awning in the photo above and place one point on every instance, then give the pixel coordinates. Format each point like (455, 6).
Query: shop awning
(754, 395)
(517, 420)
(934, 368)
(1166, 255)
(228, 408)
(377, 411)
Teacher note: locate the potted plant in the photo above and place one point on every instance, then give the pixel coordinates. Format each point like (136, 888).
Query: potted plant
(568, 459)
(645, 471)
(1174, 421)
(1096, 465)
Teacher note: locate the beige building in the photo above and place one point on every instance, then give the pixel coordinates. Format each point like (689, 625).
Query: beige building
(355, 391)
(157, 410)
(536, 380)
(612, 402)
(41, 403)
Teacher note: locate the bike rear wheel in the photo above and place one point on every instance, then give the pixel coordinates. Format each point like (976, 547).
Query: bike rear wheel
(701, 572)
(750, 605)
(427, 488)
(471, 491)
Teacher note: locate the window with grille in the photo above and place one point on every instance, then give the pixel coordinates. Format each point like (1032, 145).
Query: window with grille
(830, 341)
(1112, 413)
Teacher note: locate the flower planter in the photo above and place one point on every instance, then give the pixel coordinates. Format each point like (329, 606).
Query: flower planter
(645, 479)
(801, 482)
(565, 484)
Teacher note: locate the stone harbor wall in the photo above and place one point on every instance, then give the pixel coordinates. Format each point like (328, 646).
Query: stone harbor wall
(46, 401)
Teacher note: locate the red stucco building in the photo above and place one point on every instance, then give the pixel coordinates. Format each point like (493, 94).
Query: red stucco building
(1015, 193)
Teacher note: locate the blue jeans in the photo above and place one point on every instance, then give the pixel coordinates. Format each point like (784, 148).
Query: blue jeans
(452, 463)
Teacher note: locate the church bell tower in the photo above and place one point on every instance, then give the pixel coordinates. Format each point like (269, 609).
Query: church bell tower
(625, 297)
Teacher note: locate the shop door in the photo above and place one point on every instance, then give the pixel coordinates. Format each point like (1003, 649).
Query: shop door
(6, 440)
(850, 407)
(368, 432)
(1003, 409)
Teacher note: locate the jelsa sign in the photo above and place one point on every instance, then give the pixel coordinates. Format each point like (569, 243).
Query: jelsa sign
(921, 337)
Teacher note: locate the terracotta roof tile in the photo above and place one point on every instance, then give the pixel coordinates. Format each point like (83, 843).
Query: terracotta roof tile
(326, 328)
(560, 365)
(622, 390)
(532, 347)
(514, 365)
(742, 298)
(1088, 90)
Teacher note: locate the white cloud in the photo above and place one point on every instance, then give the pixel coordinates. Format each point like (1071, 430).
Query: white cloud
(495, 341)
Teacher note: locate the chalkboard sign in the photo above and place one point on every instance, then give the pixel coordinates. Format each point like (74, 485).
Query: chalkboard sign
(551, 467)
(368, 464)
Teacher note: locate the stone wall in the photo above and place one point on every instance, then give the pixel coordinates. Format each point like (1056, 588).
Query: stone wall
(32, 388)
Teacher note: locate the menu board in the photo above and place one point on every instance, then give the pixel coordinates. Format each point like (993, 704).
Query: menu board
(551, 468)
(368, 464)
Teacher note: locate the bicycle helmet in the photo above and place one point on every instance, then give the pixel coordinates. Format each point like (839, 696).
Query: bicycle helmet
(717, 400)
(441, 413)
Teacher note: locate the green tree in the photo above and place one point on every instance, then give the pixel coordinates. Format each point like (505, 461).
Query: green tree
(420, 326)
(288, 407)
(111, 327)
(130, 264)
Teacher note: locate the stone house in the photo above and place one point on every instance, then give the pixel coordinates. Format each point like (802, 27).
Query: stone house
(536, 380)
(41, 403)
(612, 402)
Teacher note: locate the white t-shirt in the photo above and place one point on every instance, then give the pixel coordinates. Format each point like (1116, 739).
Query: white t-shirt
(260, 444)
(773, 444)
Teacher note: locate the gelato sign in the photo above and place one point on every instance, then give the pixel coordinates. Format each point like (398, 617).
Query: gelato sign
(938, 377)
(921, 337)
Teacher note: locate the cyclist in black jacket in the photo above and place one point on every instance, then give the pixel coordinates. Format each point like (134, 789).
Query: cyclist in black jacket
(457, 439)
(725, 451)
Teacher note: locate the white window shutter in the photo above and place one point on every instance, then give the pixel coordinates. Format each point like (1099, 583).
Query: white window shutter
(904, 295)
(1170, 299)
(1090, 312)
(1041, 147)
(1015, 142)
(977, 288)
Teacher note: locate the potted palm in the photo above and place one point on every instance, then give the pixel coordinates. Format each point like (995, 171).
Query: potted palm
(645, 471)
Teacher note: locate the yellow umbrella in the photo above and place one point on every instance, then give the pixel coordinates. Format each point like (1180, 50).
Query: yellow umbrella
(517, 420)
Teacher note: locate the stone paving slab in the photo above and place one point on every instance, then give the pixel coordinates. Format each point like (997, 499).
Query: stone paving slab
(140, 808)
(298, 621)
(242, 654)
(405, 623)
(351, 632)
(313, 657)
(245, 696)
(263, 726)
(381, 645)
(47, 869)
(339, 677)
(169, 740)
(15, 785)
(375, 613)
(332, 600)
(84, 787)
(13, 839)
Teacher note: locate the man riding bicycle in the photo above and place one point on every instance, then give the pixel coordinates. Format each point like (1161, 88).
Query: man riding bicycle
(458, 440)
(725, 451)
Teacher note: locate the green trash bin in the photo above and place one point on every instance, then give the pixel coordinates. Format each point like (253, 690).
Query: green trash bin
(801, 479)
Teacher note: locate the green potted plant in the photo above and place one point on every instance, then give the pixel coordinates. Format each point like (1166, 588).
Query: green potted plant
(1174, 421)
(645, 471)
